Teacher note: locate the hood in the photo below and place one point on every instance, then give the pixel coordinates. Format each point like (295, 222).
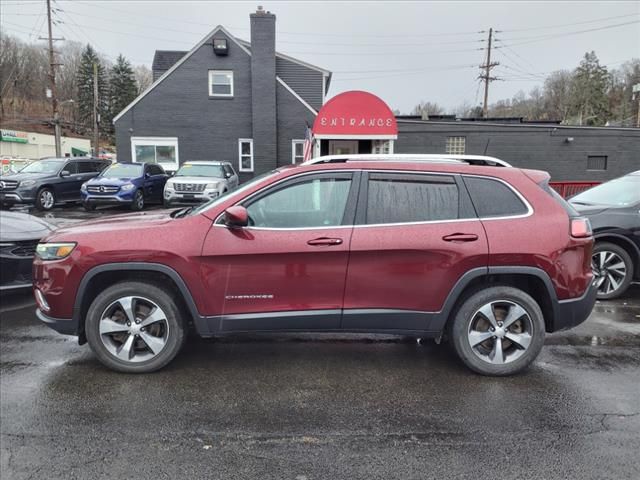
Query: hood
(185, 179)
(26, 176)
(588, 210)
(111, 181)
(114, 223)
(15, 226)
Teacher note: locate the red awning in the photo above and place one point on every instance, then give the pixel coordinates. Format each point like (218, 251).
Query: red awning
(355, 115)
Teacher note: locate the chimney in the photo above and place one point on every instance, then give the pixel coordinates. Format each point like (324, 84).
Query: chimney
(263, 90)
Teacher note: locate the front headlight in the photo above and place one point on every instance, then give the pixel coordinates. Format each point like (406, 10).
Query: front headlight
(168, 186)
(27, 183)
(54, 251)
(127, 186)
(213, 185)
(83, 187)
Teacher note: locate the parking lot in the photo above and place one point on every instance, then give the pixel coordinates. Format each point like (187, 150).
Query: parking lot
(340, 406)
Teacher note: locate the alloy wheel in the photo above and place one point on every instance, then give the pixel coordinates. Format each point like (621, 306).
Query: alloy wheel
(134, 329)
(609, 270)
(46, 199)
(500, 332)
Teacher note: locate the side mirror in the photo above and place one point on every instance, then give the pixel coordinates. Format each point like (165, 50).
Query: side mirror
(227, 175)
(236, 216)
(147, 175)
(65, 173)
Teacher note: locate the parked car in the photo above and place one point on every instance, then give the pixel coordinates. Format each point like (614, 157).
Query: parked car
(197, 182)
(487, 256)
(19, 236)
(614, 211)
(133, 184)
(48, 182)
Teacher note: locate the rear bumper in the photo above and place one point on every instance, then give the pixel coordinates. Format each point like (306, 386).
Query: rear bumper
(66, 326)
(572, 312)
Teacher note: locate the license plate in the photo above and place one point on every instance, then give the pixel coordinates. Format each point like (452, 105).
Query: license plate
(188, 195)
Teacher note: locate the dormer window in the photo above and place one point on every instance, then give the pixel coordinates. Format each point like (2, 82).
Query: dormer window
(220, 83)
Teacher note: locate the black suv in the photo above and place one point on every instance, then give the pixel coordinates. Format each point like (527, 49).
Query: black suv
(49, 181)
(614, 211)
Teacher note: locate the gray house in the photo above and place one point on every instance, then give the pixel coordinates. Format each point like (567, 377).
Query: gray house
(226, 99)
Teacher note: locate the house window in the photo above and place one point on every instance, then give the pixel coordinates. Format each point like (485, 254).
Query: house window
(381, 146)
(245, 154)
(297, 151)
(596, 162)
(220, 83)
(456, 145)
(161, 150)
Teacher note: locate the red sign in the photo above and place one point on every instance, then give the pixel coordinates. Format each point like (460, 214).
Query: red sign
(355, 114)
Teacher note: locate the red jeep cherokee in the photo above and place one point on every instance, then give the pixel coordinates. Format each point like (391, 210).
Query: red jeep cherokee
(487, 256)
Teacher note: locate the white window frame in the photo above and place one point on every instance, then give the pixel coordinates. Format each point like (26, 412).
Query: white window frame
(220, 72)
(240, 155)
(293, 151)
(454, 143)
(157, 142)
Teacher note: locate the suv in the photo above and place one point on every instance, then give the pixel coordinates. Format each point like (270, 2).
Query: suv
(132, 184)
(197, 182)
(488, 257)
(613, 209)
(49, 181)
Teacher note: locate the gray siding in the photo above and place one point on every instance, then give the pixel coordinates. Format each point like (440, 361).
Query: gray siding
(179, 106)
(542, 148)
(305, 81)
(292, 115)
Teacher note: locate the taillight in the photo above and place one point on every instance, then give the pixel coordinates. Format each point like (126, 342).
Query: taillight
(580, 227)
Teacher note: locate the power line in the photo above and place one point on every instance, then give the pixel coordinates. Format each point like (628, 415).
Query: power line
(569, 24)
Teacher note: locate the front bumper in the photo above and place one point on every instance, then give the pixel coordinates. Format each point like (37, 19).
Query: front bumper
(66, 326)
(572, 312)
(107, 199)
(174, 197)
(13, 197)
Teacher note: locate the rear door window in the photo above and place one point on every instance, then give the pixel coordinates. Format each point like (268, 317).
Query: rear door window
(493, 198)
(406, 198)
(86, 167)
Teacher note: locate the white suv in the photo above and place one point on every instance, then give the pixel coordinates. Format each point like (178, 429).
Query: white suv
(197, 182)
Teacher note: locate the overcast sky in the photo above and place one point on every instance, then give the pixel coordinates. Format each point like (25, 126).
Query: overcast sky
(402, 51)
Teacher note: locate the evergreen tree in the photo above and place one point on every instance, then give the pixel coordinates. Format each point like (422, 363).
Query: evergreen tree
(84, 82)
(122, 88)
(589, 91)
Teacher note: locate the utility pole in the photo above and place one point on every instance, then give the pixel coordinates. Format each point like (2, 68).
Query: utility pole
(636, 96)
(52, 82)
(487, 75)
(96, 119)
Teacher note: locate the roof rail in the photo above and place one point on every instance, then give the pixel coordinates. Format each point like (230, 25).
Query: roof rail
(408, 157)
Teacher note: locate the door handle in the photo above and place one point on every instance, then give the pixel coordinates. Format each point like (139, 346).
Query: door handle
(460, 237)
(324, 241)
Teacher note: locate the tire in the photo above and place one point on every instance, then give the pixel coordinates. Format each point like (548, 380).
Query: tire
(45, 199)
(138, 201)
(139, 347)
(89, 207)
(612, 282)
(166, 204)
(470, 326)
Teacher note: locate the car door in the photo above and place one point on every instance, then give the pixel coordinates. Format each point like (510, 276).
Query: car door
(286, 270)
(232, 177)
(66, 185)
(416, 234)
(158, 179)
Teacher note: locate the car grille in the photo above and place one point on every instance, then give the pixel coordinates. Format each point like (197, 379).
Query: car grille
(8, 185)
(189, 187)
(20, 249)
(102, 189)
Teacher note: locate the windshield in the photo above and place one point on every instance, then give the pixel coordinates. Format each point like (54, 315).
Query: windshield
(224, 196)
(188, 170)
(44, 166)
(123, 170)
(619, 192)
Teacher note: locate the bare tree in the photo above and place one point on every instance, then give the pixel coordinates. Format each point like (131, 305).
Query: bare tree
(144, 77)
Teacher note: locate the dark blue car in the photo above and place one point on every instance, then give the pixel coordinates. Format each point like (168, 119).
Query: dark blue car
(133, 184)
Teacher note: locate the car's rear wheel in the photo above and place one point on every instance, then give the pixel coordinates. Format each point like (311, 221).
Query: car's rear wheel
(138, 200)
(45, 199)
(498, 331)
(134, 327)
(613, 269)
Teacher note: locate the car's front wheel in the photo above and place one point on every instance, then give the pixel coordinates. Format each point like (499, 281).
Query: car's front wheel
(89, 207)
(613, 269)
(45, 199)
(498, 331)
(138, 200)
(135, 327)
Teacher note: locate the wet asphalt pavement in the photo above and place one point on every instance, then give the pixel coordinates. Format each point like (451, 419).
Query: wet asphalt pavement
(321, 406)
